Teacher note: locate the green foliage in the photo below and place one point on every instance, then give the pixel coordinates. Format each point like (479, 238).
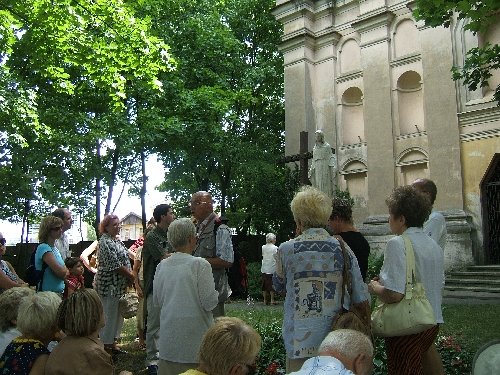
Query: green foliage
(478, 65)
(479, 15)
(375, 263)
(456, 361)
(440, 13)
(344, 194)
(272, 356)
(254, 280)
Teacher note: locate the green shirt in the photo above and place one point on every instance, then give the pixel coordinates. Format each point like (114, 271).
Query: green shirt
(153, 250)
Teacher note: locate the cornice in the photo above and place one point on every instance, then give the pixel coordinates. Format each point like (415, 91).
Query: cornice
(480, 116)
(405, 60)
(353, 146)
(412, 135)
(476, 136)
(375, 19)
(350, 76)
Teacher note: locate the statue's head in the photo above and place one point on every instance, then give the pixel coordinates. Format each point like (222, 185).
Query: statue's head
(320, 136)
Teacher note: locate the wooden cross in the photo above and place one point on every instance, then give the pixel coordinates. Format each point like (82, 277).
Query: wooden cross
(302, 157)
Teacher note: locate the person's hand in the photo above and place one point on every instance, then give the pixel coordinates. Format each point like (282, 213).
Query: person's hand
(373, 286)
(139, 291)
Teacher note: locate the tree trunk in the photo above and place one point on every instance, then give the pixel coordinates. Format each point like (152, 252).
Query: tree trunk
(143, 190)
(114, 168)
(98, 192)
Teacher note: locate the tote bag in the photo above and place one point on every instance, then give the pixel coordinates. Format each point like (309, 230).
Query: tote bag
(413, 314)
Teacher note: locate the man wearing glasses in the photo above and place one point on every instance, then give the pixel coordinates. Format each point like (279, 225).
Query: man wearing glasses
(62, 243)
(213, 244)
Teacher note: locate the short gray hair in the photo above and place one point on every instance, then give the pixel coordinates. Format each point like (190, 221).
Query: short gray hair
(10, 300)
(37, 316)
(348, 343)
(179, 232)
(270, 237)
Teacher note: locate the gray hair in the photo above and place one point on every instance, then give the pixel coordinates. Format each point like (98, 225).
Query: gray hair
(179, 232)
(37, 315)
(270, 237)
(348, 343)
(10, 300)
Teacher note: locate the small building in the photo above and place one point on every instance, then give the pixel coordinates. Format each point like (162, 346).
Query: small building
(131, 227)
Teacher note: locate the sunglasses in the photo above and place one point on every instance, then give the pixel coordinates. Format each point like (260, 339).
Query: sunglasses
(56, 228)
(3, 241)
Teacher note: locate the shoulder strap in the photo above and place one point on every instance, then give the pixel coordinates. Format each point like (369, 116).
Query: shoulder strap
(346, 278)
(410, 266)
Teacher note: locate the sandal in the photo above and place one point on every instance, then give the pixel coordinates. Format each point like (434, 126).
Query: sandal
(142, 347)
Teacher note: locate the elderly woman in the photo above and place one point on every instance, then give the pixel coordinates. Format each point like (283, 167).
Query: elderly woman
(184, 288)
(36, 320)
(8, 276)
(342, 224)
(309, 269)
(9, 306)
(228, 348)
(81, 317)
(113, 274)
(46, 253)
(268, 267)
(408, 210)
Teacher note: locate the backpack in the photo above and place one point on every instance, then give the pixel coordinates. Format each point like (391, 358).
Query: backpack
(33, 276)
(238, 275)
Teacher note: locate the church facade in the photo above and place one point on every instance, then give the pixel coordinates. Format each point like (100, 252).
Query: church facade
(378, 84)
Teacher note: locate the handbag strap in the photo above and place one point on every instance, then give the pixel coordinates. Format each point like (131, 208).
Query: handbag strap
(345, 278)
(410, 266)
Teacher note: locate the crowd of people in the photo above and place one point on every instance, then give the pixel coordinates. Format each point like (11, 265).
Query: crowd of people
(179, 275)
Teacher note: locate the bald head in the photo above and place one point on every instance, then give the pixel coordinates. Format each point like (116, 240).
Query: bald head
(352, 348)
(201, 205)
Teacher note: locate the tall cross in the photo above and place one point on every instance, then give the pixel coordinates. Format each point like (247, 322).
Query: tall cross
(302, 157)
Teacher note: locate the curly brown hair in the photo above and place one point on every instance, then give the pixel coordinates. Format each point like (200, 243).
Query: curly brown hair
(342, 208)
(105, 222)
(408, 202)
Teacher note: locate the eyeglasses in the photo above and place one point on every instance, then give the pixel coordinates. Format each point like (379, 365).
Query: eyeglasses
(56, 228)
(197, 203)
(3, 241)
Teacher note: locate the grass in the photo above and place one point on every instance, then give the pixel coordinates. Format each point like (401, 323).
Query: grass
(471, 326)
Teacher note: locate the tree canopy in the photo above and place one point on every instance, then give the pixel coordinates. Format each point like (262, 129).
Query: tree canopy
(90, 89)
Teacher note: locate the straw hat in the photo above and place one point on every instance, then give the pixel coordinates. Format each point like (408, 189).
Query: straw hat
(487, 359)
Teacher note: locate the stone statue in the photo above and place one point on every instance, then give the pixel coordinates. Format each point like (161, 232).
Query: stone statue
(323, 171)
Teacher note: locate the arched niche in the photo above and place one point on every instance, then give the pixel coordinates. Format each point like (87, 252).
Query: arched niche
(410, 103)
(354, 172)
(350, 56)
(412, 164)
(406, 38)
(353, 125)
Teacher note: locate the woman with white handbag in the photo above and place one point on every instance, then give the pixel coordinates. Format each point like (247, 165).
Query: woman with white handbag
(409, 285)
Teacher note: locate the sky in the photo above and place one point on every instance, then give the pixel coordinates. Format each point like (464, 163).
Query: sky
(156, 173)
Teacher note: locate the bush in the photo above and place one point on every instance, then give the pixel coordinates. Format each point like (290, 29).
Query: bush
(271, 358)
(456, 361)
(254, 280)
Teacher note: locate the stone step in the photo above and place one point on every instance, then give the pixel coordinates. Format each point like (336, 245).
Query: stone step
(486, 268)
(453, 282)
(478, 275)
(473, 289)
(469, 297)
